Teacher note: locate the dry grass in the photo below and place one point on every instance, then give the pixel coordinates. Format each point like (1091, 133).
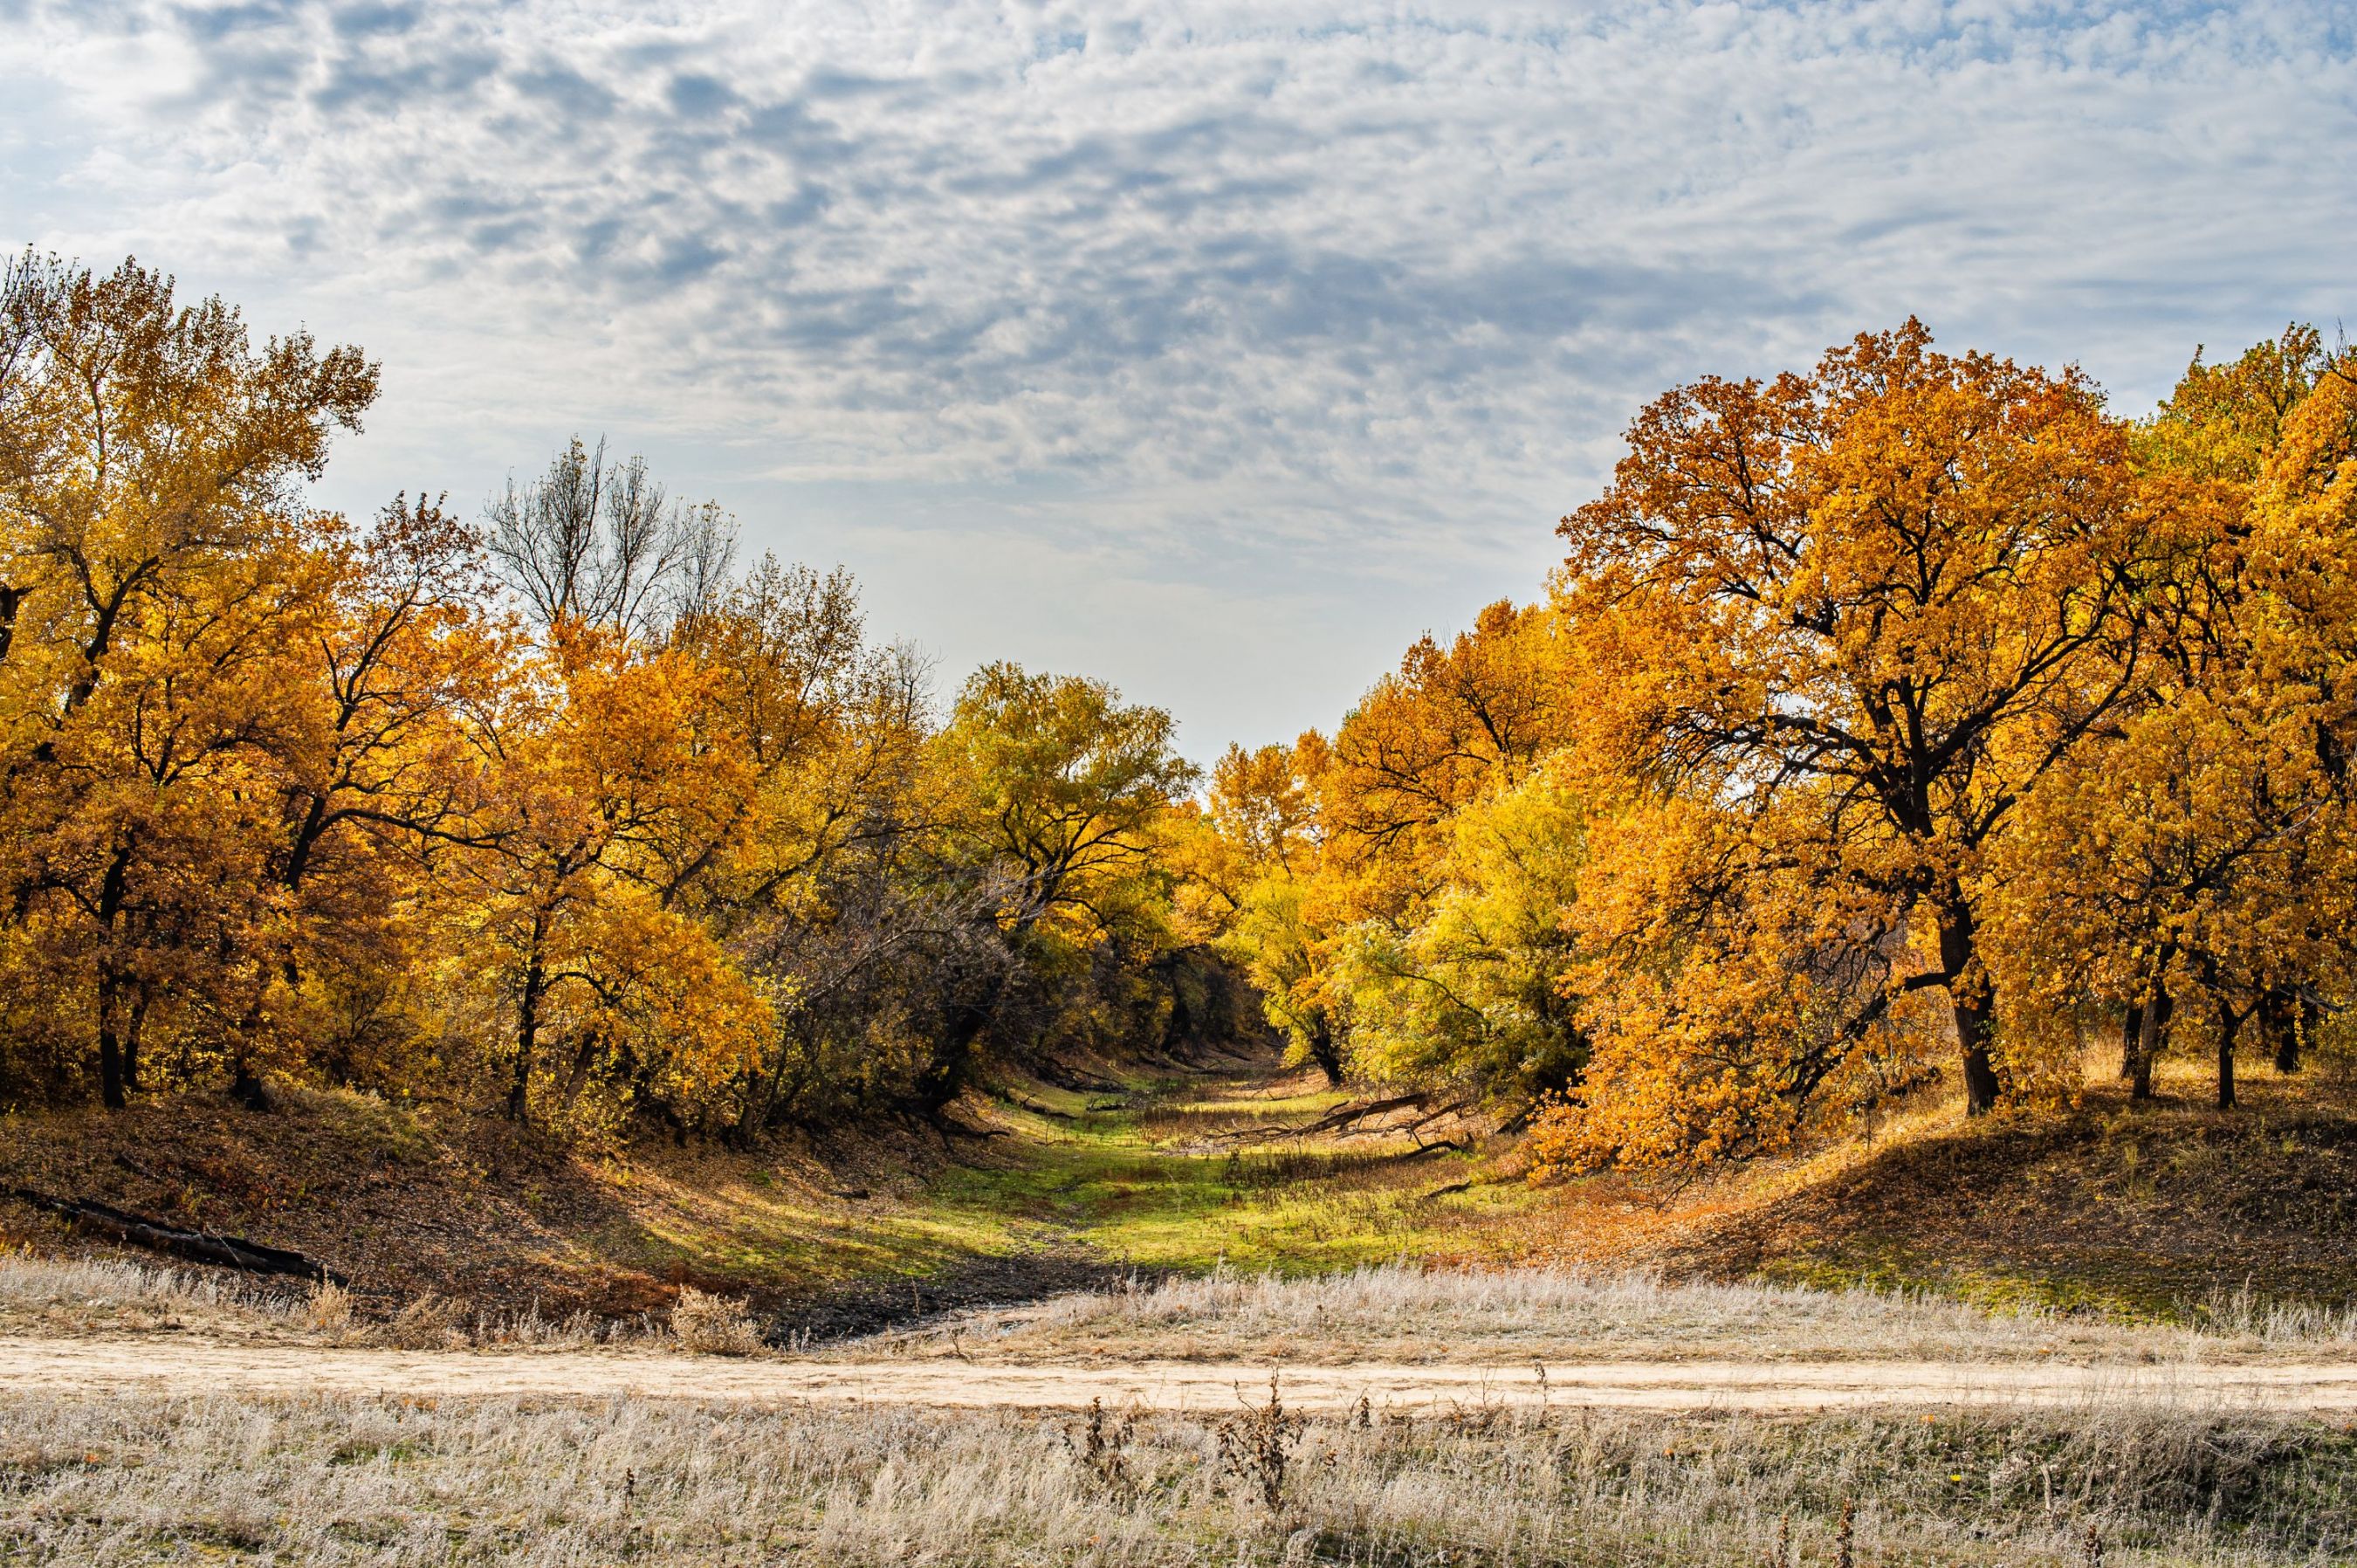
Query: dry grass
(91, 1295)
(1395, 1313)
(58, 1297)
(1398, 1313)
(133, 1480)
(707, 1324)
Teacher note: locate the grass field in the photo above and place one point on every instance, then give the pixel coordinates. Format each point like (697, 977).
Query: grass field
(1513, 1316)
(110, 1482)
(1188, 1175)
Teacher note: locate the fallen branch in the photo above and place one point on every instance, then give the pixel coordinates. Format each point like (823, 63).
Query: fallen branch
(1445, 1146)
(135, 1168)
(1453, 1108)
(197, 1246)
(1444, 1191)
(1334, 1120)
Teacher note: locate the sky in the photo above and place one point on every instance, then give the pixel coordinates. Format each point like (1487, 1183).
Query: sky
(1215, 350)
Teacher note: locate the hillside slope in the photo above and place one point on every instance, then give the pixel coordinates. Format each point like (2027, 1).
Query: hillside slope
(411, 1199)
(2160, 1209)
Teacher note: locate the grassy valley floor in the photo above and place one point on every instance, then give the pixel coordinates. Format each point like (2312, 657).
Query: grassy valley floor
(2164, 1212)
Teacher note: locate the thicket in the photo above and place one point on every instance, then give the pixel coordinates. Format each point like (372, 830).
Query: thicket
(1915, 717)
(557, 811)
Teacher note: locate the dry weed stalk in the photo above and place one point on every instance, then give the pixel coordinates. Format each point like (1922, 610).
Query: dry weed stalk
(1103, 1451)
(1256, 1444)
(126, 1481)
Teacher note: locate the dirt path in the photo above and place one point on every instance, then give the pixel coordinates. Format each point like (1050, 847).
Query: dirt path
(99, 1366)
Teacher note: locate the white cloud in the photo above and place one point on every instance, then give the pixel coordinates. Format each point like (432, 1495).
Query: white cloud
(1217, 348)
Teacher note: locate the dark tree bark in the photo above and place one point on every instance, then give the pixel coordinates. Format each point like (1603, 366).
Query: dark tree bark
(2154, 1031)
(2285, 1017)
(203, 1247)
(113, 1083)
(1971, 1006)
(133, 1027)
(1323, 1051)
(2131, 1039)
(2229, 1025)
(110, 1047)
(536, 986)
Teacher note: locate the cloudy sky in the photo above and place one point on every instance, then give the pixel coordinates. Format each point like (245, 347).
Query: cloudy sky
(1216, 349)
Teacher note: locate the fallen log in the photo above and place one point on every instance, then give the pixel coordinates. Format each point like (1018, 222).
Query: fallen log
(197, 1246)
(1335, 1120)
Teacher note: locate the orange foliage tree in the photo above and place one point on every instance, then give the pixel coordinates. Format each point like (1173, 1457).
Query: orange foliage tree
(1862, 612)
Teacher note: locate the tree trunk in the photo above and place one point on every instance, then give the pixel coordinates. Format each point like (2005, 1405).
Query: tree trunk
(111, 1086)
(944, 1076)
(110, 1046)
(535, 985)
(1323, 1052)
(2284, 1016)
(1972, 1011)
(1176, 1031)
(2148, 1041)
(585, 1057)
(132, 1030)
(2226, 1031)
(2131, 1038)
(246, 1089)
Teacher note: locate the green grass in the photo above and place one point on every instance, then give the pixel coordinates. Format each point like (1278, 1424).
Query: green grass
(1151, 1185)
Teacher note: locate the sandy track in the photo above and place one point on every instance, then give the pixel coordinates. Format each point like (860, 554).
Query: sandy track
(103, 1366)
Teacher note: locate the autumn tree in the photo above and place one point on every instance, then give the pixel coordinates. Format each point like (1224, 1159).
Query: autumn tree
(2189, 864)
(1352, 840)
(1453, 722)
(1058, 783)
(1867, 609)
(156, 564)
(1278, 925)
(376, 783)
(595, 766)
(1470, 996)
